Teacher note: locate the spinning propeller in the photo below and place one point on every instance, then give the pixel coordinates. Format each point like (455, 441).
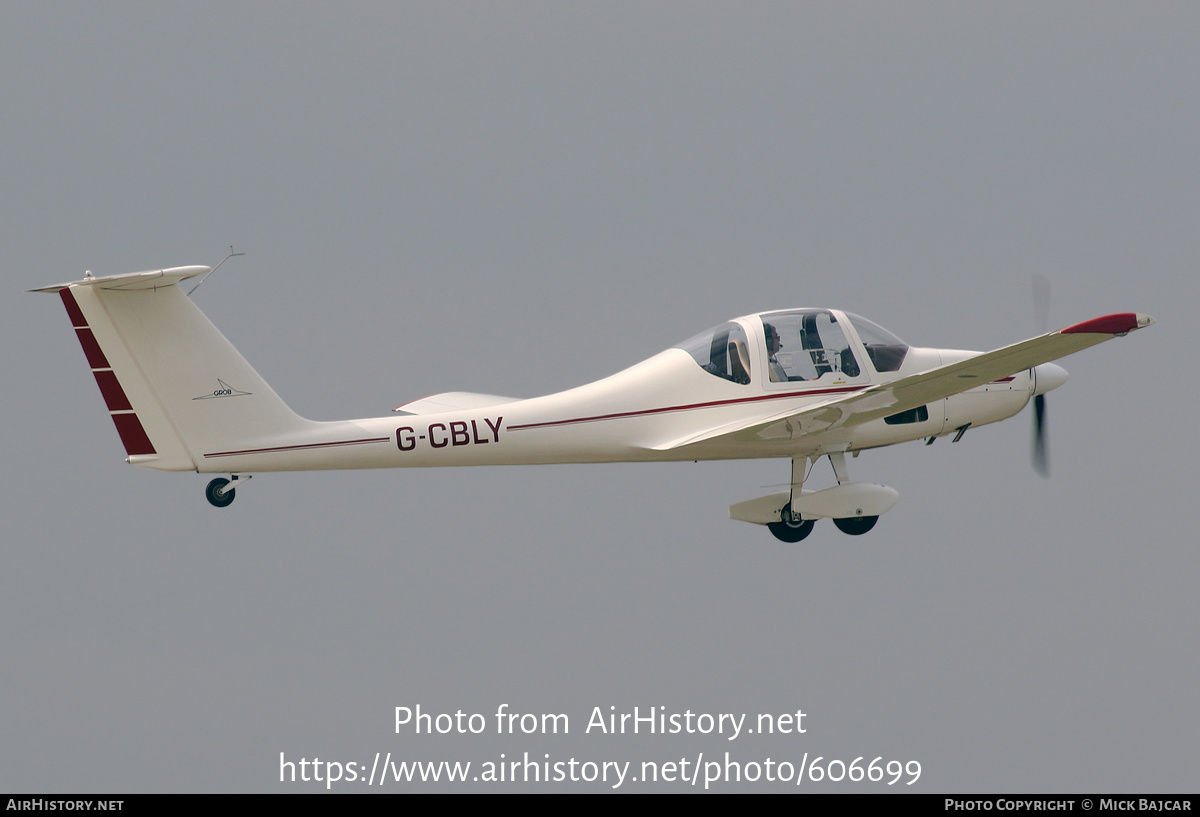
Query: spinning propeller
(1041, 315)
(1039, 435)
(1046, 377)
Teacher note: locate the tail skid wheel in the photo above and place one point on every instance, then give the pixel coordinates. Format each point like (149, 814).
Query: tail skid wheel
(217, 494)
(786, 530)
(856, 525)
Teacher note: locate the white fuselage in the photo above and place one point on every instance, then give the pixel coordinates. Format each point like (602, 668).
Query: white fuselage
(622, 418)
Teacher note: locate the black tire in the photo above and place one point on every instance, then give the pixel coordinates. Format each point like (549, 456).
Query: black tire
(785, 530)
(220, 500)
(856, 525)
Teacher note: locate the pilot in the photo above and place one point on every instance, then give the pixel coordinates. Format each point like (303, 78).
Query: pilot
(778, 374)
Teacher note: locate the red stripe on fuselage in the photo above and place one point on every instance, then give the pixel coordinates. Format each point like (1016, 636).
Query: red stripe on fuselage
(688, 407)
(298, 447)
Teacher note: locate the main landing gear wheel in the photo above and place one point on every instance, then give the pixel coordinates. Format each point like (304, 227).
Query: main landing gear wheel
(214, 494)
(856, 525)
(785, 530)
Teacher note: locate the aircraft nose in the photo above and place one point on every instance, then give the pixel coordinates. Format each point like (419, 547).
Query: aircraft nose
(1048, 377)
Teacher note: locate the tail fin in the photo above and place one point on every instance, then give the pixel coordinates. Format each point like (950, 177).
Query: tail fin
(174, 386)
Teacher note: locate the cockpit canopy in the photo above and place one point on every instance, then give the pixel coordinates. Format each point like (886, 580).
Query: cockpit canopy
(885, 349)
(722, 351)
(795, 345)
(805, 344)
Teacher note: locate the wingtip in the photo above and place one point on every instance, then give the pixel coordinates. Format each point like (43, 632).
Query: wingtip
(1120, 323)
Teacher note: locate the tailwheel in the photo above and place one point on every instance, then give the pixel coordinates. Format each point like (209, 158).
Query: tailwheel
(218, 494)
(786, 530)
(856, 525)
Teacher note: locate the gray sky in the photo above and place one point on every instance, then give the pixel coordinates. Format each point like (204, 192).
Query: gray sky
(419, 187)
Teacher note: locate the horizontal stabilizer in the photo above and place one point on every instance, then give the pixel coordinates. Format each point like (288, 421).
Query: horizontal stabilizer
(153, 279)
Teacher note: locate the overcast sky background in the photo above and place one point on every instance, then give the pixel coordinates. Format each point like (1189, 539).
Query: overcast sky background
(519, 198)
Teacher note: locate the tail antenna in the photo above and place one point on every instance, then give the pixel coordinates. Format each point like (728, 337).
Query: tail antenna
(232, 254)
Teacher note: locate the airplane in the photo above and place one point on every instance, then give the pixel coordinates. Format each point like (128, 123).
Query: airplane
(803, 384)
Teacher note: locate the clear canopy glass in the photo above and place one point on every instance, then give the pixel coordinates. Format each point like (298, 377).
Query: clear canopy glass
(806, 344)
(722, 351)
(800, 345)
(885, 349)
